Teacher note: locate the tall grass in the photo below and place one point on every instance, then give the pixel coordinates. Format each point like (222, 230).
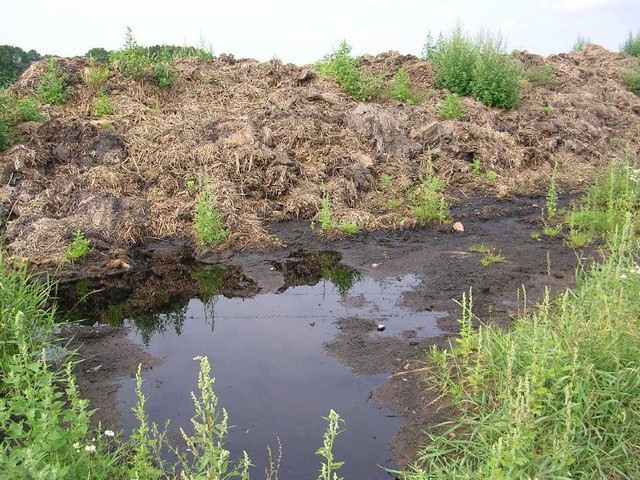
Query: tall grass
(556, 395)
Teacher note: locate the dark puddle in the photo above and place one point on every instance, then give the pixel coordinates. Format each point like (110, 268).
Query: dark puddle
(281, 360)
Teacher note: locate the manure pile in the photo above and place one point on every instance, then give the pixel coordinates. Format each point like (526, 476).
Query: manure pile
(272, 139)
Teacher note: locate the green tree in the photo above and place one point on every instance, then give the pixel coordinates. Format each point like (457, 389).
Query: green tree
(14, 61)
(99, 54)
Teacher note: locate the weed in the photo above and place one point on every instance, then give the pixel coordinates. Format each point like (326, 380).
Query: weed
(102, 106)
(131, 61)
(547, 109)
(454, 59)
(451, 108)
(80, 246)
(394, 203)
(401, 88)
(329, 465)
(491, 176)
(54, 85)
(476, 166)
(349, 228)
(164, 74)
(191, 187)
(552, 230)
(324, 215)
(428, 203)
(27, 110)
(14, 110)
(543, 76)
(580, 43)
(207, 220)
(97, 75)
(631, 45)
(578, 238)
(482, 248)
(350, 75)
(491, 257)
(632, 80)
(386, 182)
(535, 236)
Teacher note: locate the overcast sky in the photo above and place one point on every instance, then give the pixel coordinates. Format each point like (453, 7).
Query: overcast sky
(302, 32)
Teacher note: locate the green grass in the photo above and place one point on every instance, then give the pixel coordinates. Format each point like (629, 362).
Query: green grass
(14, 110)
(80, 247)
(543, 76)
(482, 248)
(580, 43)
(556, 395)
(401, 88)
(349, 228)
(451, 108)
(632, 79)
(350, 75)
(480, 68)
(489, 254)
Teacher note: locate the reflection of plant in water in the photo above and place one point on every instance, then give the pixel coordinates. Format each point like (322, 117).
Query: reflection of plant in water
(343, 278)
(146, 324)
(115, 314)
(83, 290)
(210, 281)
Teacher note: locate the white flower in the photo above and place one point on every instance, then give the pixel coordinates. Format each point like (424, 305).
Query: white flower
(90, 448)
(76, 446)
(623, 276)
(109, 433)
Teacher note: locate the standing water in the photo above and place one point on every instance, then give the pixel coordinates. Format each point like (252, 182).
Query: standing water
(271, 358)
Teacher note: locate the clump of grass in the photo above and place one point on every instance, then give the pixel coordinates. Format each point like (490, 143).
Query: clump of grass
(386, 182)
(604, 207)
(631, 46)
(350, 75)
(552, 230)
(552, 197)
(54, 85)
(97, 75)
(327, 222)
(451, 108)
(489, 254)
(480, 68)
(543, 76)
(102, 105)
(482, 248)
(427, 201)
(207, 220)
(401, 88)
(349, 228)
(394, 203)
(554, 395)
(80, 246)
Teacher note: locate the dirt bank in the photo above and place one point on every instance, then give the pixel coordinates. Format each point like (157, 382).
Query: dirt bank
(271, 138)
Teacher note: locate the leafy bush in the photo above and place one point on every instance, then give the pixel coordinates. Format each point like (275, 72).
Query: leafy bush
(350, 75)
(632, 80)
(496, 76)
(102, 106)
(54, 85)
(208, 221)
(631, 45)
(164, 74)
(27, 110)
(401, 88)
(131, 61)
(543, 76)
(14, 110)
(98, 55)
(479, 68)
(451, 108)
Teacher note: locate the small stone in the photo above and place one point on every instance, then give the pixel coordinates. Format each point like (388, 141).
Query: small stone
(458, 227)
(312, 324)
(375, 265)
(381, 327)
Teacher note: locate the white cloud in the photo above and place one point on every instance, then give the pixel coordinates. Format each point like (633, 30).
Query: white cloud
(578, 5)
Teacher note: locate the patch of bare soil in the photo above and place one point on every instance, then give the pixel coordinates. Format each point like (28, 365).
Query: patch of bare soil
(269, 139)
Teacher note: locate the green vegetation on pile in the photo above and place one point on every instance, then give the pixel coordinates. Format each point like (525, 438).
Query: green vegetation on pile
(556, 395)
(631, 46)
(350, 75)
(207, 220)
(54, 85)
(14, 110)
(479, 68)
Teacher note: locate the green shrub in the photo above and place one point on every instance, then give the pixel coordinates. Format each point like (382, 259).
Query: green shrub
(80, 246)
(401, 88)
(631, 45)
(164, 74)
(54, 85)
(131, 61)
(478, 68)
(97, 75)
(580, 43)
(15, 110)
(4, 135)
(350, 75)
(27, 110)
(451, 108)
(102, 106)
(496, 75)
(543, 76)
(98, 55)
(632, 80)
(207, 220)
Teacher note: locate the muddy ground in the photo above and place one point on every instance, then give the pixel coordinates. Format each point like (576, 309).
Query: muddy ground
(437, 255)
